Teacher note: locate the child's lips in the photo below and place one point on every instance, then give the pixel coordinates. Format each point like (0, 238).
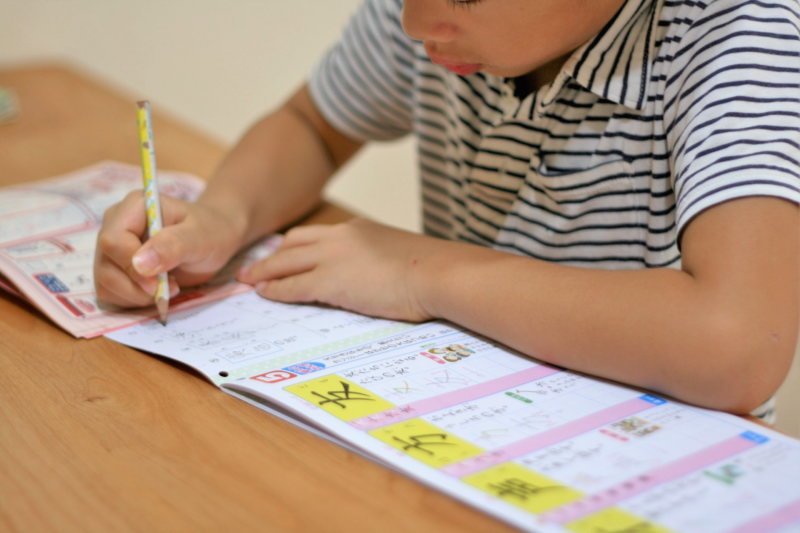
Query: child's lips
(463, 69)
(460, 68)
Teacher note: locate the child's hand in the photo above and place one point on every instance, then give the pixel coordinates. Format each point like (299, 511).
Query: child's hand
(359, 265)
(194, 244)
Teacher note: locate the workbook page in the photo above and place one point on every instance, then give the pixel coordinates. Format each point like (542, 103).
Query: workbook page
(245, 335)
(48, 233)
(537, 446)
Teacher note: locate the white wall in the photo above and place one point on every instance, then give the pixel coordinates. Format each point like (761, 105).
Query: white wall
(215, 64)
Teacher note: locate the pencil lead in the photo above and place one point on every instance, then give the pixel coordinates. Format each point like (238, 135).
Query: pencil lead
(162, 305)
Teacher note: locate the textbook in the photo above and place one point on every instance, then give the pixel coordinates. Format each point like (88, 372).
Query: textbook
(537, 446)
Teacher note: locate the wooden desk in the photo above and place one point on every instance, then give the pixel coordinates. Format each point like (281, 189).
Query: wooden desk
(95, 436)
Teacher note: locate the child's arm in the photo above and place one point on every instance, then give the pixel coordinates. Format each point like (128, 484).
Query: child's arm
(721, 333)
(273, 175)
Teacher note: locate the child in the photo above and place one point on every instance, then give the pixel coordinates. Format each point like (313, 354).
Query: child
(608, 185)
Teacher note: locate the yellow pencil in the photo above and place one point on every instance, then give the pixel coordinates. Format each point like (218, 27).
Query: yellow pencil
(152, 204)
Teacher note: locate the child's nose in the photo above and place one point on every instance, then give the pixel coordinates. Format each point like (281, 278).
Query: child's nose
(427, 20)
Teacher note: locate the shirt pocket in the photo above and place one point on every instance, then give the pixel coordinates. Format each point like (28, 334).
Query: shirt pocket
(595, 186)
(589, 216)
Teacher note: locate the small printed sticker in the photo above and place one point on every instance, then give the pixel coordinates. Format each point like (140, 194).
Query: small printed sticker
(274, 376)
(52, 283)
(305, 368)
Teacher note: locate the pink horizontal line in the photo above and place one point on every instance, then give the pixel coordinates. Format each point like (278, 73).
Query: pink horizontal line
(647, 480)
(49, 234)
(117, 322)
(443, 401)
(537, 442)
(783, 516)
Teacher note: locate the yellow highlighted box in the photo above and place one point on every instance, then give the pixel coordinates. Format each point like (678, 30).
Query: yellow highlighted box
(426, 442)
(523, 487)
(614, 519)
(340, 397)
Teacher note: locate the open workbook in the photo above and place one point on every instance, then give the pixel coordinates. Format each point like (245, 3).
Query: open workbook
(540, 447)
(48, 231)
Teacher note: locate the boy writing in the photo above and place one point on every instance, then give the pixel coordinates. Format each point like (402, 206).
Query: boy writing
(608, 185)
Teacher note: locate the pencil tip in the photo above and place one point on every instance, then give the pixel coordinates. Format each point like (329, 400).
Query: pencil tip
(162, 305)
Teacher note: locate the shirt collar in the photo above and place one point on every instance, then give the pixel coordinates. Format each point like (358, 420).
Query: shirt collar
(616, 63)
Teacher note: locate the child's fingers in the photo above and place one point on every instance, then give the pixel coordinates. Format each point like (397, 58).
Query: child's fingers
(172, 246)
(192, 254)
(119, 288)
(119, 237)
(303, 235)
(117, 247)
(293, 289)
(283, 263)
(115, 285)
(123, 230)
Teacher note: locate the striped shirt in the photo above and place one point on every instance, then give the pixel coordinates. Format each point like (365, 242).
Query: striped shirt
(675, 106)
